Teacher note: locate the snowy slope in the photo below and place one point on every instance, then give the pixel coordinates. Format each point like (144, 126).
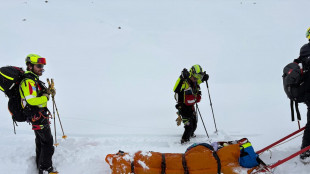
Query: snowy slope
(115, 64)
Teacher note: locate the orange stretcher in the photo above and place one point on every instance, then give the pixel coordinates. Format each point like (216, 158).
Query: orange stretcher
(200, 159)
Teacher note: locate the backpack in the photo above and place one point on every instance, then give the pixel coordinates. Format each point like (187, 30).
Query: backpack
(248, 157)
(10, 78)
(294, 86)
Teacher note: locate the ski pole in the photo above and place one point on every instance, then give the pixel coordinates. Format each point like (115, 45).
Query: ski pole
(54, 105)
(200, 114)
(63, 133)
(56, 144)
(202, 120)
(211, 106)
(50, 86)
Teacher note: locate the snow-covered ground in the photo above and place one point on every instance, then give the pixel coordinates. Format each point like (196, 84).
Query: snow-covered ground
(115, 64)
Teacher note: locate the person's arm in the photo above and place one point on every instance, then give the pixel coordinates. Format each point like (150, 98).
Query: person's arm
(28, 90)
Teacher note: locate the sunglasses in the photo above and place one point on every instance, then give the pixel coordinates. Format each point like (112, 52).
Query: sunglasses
(39, 65)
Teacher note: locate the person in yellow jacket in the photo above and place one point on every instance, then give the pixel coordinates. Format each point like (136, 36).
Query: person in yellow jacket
(187, 94)
(34, 98)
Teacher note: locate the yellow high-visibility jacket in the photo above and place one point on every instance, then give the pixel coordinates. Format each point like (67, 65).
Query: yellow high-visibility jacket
(30, 91)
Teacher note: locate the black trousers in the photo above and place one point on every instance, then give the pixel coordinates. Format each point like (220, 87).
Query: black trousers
(44, 143)
(306, 136)
(189, 119)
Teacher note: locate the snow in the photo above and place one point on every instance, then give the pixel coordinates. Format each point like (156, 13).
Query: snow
(115, 64)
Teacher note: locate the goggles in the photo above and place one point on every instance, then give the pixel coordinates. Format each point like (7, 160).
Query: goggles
(39, 65)
(41, 61)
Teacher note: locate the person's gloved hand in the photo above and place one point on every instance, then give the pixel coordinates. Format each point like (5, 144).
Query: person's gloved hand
(46, 95)
(205, 77)
(184, 74)
(51, 91)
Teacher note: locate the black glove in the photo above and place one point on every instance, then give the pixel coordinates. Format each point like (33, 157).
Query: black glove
(205, 77)
(184, 74)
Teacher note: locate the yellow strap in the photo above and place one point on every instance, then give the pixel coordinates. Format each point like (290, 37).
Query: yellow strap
(245, 145)
(8, 77)
(1, 88)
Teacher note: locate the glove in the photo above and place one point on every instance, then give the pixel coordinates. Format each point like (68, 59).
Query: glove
(51, 91)
(179, 120)
(47, 96)
(205, 77)
(184, 74)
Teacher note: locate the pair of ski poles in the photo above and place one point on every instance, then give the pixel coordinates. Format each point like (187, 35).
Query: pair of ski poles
(197, 109)
(51, 86)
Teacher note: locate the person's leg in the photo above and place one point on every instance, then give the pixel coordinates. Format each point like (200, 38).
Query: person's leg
(38, 149)
(306, 136)
(188, 130)
(47, 148)
(186, 113)
(195, 121)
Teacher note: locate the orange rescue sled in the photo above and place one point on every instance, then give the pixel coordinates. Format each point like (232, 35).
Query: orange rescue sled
(199, 159)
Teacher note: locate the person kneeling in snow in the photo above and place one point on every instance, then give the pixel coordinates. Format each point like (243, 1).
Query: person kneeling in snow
(34, 96)
(187, 94)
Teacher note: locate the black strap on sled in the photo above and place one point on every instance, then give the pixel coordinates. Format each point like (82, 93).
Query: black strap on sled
(297, 110)
(132, 167)
(218, 162)
(163, 164)
(219, 166)
(184, 164)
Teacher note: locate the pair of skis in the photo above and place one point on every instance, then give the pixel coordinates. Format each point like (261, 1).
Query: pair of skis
(268, 168)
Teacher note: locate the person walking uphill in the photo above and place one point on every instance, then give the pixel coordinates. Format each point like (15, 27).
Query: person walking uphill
(34, 96)
(187, 94)
(304, 58)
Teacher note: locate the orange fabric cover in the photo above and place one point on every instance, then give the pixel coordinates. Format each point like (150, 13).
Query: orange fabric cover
(199, 160)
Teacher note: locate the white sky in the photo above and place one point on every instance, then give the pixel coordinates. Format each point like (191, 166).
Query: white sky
(111, 80)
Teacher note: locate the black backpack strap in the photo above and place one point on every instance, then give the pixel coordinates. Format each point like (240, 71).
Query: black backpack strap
(163, 164)
(292, 110)
(297, 111)
(14, 123)
(184, 164)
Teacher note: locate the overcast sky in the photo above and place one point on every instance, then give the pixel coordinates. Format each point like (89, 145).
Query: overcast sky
(115, 62)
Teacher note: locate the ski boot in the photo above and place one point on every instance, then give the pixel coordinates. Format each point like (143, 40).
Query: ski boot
(49, 170)
(305, 157)
(184, 141)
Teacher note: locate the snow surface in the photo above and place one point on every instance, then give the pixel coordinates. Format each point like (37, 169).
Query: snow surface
(115, 64)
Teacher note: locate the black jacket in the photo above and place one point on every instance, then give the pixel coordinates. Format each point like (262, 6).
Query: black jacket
(304, 51)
